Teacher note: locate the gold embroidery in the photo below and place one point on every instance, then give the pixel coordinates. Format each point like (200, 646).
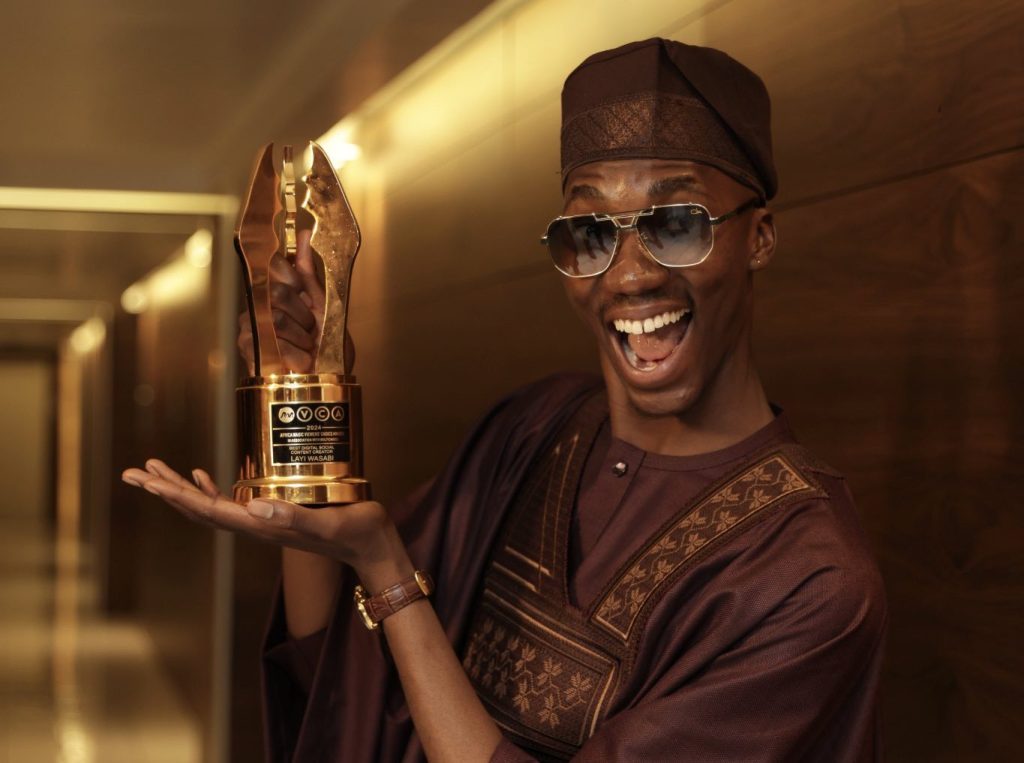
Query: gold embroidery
(535, 679)
(748, 494)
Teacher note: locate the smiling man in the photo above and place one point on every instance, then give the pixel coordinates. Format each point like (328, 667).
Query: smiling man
(644, 567)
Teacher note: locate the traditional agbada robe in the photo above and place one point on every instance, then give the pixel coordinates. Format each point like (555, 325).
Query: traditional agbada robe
(611, 604)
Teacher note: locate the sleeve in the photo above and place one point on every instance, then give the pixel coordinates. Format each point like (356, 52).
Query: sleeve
(309, 686)
(799, 686)
(288, 669)
(297, 658)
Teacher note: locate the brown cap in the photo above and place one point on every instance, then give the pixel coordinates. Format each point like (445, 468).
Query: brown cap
(662, 99)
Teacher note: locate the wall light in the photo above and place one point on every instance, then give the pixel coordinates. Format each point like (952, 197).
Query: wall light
(182, 278)
(337, 142)
(88, 336)
(134, 299)
(199, 248)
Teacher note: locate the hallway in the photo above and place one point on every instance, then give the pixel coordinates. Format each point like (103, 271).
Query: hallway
(75, 688)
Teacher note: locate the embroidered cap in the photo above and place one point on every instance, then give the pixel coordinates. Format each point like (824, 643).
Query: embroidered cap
(662, 99)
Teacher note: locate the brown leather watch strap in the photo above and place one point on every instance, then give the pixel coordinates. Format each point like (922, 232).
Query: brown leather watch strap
(393, 598)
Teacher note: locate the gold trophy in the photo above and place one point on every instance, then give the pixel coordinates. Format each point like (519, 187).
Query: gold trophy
(300, 433)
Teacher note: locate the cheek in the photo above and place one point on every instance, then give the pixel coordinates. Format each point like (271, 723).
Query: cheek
(721, 293)
(578, 291)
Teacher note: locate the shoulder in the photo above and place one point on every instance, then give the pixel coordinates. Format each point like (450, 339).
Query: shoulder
(530, 412)
(820, 558)
(517, 424)
(800, 566)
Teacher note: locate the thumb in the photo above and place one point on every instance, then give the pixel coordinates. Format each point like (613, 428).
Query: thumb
(312, 524)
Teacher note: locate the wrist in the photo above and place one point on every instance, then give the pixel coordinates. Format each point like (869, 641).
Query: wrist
(386, 564)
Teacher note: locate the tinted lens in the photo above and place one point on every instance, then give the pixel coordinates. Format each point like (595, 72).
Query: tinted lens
(581, 246)
(677, 235)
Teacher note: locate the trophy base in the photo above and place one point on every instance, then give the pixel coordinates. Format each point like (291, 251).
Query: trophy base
(344, 490)
(300, 440)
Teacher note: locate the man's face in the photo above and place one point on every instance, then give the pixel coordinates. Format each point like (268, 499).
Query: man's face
(706, 307)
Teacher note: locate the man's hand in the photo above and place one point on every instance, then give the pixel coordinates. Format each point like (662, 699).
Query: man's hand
(297, 299)
(359, 534)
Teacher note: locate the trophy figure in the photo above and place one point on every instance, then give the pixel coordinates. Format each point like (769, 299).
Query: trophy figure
(300, 430)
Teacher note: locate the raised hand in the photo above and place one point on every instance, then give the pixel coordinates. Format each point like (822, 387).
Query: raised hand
(358, 534)
(297, 295)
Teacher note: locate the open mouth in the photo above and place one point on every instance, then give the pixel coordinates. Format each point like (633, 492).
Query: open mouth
(647, 343)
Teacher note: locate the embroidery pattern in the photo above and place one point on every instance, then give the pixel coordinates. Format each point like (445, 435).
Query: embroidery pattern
(536, 682)
(750, 493)
(679, 123)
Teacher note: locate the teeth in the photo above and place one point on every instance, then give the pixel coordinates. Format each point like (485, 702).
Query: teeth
(648, 325)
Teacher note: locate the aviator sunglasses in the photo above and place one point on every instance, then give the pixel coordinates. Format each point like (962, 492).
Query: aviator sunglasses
(674, 235)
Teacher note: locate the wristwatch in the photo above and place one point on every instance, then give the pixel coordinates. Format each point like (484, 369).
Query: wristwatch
(375, 608)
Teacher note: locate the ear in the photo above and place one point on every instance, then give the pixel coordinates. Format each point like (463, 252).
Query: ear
(762, 249)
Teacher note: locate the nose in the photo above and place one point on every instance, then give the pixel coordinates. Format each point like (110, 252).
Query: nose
(633, 271)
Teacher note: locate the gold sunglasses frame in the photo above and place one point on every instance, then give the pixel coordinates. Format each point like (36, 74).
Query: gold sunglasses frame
(625, 221)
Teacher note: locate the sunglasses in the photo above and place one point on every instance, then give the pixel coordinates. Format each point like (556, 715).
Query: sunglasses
(674, 235)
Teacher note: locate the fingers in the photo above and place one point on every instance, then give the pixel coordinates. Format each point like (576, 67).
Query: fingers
(317, 524)
(285, 290)
(291, 331)
(307, 268)
(205, 483)
(158, 468)
(208, 506)
(345, 533)
(282, 271)
(293, 314)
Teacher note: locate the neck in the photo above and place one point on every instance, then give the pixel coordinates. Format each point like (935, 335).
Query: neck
(731, 408)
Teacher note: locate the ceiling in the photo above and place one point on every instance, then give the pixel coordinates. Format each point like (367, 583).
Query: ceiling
(172, 96)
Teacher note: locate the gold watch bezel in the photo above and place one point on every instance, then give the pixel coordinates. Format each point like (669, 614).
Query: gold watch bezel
(361, 597)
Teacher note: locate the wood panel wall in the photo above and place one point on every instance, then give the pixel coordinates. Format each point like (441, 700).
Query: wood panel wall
(166, 394)
(887, 327)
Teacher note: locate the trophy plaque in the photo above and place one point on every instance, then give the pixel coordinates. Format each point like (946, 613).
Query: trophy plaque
(300, 430)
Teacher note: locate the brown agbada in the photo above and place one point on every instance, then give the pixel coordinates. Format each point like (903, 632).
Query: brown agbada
(611, 604)
(701, 615)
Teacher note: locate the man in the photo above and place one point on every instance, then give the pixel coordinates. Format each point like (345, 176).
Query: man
(645, 569)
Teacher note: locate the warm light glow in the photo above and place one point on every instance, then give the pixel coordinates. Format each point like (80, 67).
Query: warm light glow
(505, 66)
(337, 143)
(184, 277)
(88, 336)
(96, 200)
(134, 299)
(199, 248)
(177, 281)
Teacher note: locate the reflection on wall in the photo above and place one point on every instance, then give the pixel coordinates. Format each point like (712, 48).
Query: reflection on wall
(166, 396)
(26, 448)
(887, 326)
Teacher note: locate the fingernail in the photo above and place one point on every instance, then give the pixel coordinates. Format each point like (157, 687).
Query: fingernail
(151, 488)
(261, 509)
(130, 481)
(195, 478)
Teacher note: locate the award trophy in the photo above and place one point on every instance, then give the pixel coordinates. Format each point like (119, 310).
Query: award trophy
(300, 430)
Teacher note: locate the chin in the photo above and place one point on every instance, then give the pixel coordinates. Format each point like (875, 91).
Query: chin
(675, 401)
(675, 398)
